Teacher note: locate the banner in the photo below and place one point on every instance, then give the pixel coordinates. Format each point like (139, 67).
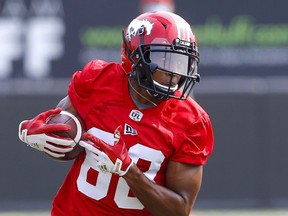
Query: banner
(54, 38)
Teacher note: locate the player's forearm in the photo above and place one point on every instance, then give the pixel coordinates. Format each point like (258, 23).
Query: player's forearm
(156, 198)
(65, 104)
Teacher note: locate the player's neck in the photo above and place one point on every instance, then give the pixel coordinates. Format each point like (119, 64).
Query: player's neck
(141, 95)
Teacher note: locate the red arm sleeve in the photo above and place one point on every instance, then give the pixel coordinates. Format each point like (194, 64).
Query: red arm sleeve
(194, 138)
(197, 143)
(82, 85)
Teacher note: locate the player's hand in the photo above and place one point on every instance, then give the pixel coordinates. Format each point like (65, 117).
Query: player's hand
(37, 134)
(108, 158)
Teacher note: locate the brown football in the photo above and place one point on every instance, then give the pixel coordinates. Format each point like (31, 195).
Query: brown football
(76, 133)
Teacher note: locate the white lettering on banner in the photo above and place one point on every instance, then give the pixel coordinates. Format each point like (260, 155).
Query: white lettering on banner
(37, 39)
(43, 44)
(10, 43)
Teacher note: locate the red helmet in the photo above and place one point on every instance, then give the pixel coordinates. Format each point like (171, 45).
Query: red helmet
(161, 40)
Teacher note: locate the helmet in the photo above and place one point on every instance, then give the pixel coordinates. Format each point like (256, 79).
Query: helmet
(161, 40)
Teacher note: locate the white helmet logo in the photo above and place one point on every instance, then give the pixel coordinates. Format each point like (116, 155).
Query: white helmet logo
(138, 26)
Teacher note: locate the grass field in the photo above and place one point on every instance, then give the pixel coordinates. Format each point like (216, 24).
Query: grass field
(280, 212)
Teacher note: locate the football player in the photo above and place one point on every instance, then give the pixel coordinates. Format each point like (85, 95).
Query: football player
(147, 139)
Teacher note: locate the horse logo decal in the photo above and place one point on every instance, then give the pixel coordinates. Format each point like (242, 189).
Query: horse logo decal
(138, 27)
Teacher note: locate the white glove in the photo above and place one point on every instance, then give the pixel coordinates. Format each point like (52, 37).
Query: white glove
(34, 133)
(105, 157)
(97, 159)
(100, 161)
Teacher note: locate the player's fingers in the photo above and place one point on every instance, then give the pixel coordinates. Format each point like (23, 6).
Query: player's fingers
(53, 154)
(60, 141)
(58, 148)
(52, 112)
(48, 113)
(89, 146)
(50, 128)
(99, 143)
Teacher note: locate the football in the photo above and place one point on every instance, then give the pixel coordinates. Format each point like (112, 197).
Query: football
(76, 133)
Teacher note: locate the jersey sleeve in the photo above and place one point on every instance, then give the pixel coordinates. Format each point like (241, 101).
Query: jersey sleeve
(196, 144)
(83, 85)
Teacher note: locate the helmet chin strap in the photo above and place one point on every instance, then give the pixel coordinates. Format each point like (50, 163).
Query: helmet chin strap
(156, 95)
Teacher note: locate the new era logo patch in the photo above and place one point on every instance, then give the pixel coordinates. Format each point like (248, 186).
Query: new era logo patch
(129, 130)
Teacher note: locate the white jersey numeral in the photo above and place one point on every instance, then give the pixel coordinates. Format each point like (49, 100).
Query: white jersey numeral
(100, 189)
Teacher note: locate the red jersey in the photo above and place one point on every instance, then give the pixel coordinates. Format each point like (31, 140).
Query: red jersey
(177, 130)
